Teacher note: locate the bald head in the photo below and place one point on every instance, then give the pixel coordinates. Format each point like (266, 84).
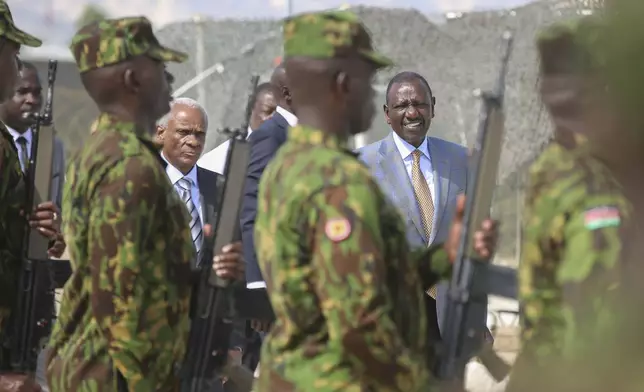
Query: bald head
(280, 81)
(278, 78)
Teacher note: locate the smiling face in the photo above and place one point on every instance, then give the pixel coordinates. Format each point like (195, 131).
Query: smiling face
(409, 110)
(183, 139)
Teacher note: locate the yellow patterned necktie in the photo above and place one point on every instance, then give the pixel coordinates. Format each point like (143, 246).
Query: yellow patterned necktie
(425, 202)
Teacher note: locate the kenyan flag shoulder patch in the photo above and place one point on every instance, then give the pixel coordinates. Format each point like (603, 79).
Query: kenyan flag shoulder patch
(602, 217)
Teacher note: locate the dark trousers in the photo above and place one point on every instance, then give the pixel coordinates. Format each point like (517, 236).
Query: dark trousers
(253, 349)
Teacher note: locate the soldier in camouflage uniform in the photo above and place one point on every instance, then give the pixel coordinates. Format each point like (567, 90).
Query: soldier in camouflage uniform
(346, 290)
(124, 318)
(574, 212)
(13, 199)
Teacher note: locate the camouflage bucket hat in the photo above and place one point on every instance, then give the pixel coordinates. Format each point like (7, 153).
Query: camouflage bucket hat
(112, 41)
(9, 30)
(572, 47)
(330, 34)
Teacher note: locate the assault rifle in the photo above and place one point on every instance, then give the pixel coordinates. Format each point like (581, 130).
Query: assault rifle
(212, 321)
(474, 279)
(39, 276)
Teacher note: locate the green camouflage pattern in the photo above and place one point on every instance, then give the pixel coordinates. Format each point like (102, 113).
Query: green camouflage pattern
(625, 57)
(568, 269)
(571, 46)
(329, 34)
(348, 295)
(9, 30)
(13, 197)
(575, 208)
(126, 306)
(113, 41)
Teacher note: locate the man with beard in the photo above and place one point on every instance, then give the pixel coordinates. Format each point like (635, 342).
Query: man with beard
(27, 98)
(347, 292)
(263, 109)
(13, 220)
(422, 175)
(124, 317)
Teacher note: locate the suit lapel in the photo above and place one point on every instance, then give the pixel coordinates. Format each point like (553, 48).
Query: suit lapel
(441, 167)
(208, 200)
(400, 188)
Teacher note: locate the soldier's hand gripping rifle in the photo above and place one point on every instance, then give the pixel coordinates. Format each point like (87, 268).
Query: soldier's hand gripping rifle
(474, 279)
(209, 341)
(39, 276)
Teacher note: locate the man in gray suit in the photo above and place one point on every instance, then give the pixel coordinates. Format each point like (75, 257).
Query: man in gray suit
(421, 175)
(26, 99)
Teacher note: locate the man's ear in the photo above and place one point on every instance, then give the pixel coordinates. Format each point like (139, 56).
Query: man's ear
(131, 81)
(433, 106)
(341, 86)
(160, 135)
(286, 93)
(385, 109)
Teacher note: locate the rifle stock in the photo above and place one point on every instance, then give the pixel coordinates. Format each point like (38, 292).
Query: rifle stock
(473, 279)
(39, 276)
(207, 354)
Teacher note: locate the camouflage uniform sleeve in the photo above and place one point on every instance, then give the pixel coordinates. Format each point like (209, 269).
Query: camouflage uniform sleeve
(125, 203)
(351, 284)
(571, 244)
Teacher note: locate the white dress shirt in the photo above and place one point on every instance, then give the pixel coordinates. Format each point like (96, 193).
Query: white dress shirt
(175, 175)
(288, 116)
(405, 149)
(215, 160)
(27, 135)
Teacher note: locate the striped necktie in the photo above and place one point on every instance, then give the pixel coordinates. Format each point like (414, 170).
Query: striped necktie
(424, 200)
(185, 186)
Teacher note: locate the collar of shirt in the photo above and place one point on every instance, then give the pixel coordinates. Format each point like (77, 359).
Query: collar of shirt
(107, 122)
(175, 174)
(249, 132)
(405, 149)
(306, 135)
(15, 134)
(288, 116)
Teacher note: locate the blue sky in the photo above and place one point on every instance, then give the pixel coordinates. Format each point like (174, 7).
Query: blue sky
(53, 20)
(164, 11)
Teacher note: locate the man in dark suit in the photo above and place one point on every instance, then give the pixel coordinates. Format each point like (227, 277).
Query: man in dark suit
(265, 142)
(263, 109)
(27, 98)
(182, 132)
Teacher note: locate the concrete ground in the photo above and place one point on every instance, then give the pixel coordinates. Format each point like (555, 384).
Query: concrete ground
(503, 321)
